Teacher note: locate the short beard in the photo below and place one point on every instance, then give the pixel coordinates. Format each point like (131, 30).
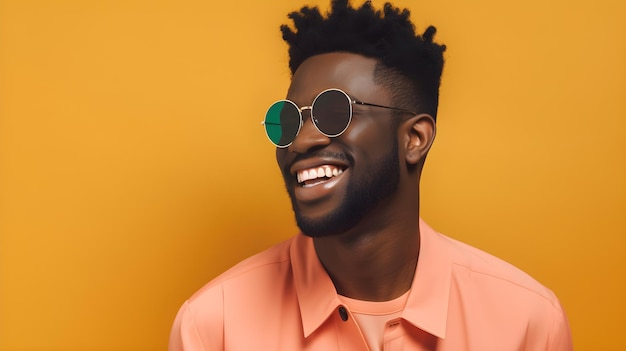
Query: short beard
(363, 195)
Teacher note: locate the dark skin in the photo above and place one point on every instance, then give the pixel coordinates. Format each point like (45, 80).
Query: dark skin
(375, 259)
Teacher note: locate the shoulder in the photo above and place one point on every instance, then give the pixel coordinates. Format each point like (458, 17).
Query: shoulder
(497, 289)
(243, 292)
(486, 268)
(494, 300)
(495, 295)
(267, 266)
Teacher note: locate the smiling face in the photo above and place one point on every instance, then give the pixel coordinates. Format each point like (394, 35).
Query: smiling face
(334, 183)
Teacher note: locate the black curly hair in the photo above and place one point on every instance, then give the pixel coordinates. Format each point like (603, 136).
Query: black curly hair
(409, 65)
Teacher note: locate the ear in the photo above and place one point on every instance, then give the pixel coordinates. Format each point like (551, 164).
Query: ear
(419, 133)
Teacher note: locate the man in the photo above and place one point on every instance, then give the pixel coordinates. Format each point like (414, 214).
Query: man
(365, 273)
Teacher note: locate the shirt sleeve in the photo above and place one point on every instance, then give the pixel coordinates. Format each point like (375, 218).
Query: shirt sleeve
(199, 324)
(184, 335)
(561, 337)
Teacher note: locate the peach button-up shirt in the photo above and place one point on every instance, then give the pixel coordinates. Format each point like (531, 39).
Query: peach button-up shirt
(461, 299)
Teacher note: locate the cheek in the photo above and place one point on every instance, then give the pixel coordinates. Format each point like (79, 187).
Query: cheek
(371, 138)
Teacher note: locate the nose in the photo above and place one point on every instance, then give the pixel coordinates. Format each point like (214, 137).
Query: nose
(309, 137)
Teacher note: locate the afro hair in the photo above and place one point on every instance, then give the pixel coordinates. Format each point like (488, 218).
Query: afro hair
(409, 64)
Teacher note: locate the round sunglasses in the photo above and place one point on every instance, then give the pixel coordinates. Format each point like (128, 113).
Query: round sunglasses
(331, 113)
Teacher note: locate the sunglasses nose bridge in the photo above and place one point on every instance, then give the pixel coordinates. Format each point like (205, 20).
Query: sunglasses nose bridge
(309, 135)
(306, 108)
(304, 117)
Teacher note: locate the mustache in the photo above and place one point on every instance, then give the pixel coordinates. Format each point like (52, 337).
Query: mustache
(324, 154)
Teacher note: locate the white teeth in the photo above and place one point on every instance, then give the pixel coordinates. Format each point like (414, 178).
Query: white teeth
(319, 172)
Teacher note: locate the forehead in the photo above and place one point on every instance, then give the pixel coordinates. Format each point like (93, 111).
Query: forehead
(351, 73)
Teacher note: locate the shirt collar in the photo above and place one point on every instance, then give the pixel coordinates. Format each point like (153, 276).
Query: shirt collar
(317, 295)
(427, 304)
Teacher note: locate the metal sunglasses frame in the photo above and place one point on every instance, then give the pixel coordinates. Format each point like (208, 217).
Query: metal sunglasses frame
(315, 121)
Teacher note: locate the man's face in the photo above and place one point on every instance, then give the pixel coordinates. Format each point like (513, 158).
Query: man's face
(363, 162)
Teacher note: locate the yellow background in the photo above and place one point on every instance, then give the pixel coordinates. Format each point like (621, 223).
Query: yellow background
(133, 168)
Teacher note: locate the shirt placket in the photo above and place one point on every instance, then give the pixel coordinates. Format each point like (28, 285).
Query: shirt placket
(349, 336)
(393, 337)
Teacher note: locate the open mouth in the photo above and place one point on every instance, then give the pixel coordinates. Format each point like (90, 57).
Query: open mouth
(317, 175)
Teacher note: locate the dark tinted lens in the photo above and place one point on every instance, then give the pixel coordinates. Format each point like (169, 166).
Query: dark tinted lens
(282, 122)
(332, 112)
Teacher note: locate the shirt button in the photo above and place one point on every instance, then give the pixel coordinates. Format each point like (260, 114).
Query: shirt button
(343, 313)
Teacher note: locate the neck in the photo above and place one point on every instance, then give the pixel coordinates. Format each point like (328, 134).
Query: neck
(376, 264)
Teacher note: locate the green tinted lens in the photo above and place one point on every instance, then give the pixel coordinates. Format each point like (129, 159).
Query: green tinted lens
(332, 112)
(282, 123)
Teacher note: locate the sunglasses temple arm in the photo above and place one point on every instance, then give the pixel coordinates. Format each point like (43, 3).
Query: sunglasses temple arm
(387, 107)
